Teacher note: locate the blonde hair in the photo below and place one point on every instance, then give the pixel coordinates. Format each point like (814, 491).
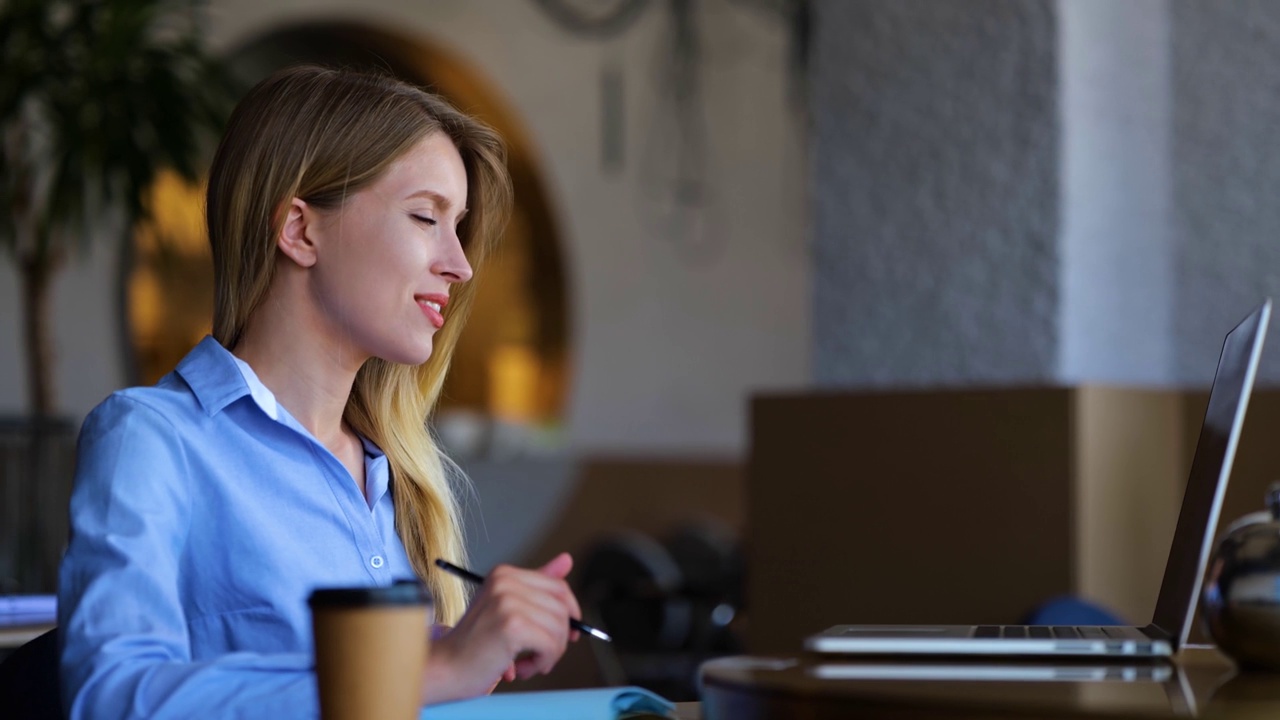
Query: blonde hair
(321, 134)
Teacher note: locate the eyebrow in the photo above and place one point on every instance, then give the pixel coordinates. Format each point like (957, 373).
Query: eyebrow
(438, 199)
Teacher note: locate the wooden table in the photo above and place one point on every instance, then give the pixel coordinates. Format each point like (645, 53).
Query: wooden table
(1201, 683)
(689, 711)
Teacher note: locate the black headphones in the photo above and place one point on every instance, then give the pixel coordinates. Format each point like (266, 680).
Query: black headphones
(678, 595)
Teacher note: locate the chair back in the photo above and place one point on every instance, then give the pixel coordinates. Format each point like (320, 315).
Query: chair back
(29, 680)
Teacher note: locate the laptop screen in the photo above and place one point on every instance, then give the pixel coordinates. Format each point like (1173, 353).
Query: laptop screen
(1210, 469)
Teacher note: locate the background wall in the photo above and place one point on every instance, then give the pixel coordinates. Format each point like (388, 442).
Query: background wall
(1008, 192)
(1225, 174)
(86, 331)
(1005, 192)
(1023, 195)
(1012, 193)
(672, 332)
(935, 192)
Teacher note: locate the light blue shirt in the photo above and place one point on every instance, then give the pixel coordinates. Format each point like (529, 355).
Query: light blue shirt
(203, 516)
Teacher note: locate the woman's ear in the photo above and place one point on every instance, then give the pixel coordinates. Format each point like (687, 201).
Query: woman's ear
(295, 239)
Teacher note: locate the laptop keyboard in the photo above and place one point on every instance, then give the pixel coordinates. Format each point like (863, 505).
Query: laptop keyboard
(1048, 632)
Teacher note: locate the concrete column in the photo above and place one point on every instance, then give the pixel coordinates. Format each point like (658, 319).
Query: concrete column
(935, 155)
(1015, 193)
(1116, 249)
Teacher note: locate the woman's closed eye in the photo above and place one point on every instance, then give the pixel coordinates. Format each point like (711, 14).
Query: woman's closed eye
(424, 219)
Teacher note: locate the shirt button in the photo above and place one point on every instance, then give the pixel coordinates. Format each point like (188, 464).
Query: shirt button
(376, 561)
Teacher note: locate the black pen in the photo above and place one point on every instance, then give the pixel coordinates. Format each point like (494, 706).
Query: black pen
(471, 577)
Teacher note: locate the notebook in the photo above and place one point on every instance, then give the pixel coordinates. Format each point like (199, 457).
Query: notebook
(1184, 569)
(615, 703)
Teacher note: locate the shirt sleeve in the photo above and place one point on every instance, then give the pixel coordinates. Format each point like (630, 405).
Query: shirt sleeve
(125, 646)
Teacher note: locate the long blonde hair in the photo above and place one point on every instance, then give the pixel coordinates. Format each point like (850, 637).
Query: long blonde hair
(321, 134)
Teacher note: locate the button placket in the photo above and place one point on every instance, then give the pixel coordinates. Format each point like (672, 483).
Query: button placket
(368, 542)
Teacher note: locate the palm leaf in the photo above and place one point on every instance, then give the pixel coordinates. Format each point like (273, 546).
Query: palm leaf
(121, 89)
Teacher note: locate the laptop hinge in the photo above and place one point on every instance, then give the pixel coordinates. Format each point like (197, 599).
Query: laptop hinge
(1155, 632)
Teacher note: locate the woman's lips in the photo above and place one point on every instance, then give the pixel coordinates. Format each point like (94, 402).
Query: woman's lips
(432, 305)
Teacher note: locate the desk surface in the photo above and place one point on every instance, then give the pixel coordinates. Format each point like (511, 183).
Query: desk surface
(13, 637)
(1201, 684)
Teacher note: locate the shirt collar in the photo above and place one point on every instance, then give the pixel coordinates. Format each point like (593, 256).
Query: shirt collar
(376, 468)
(219, 378)
(261, 395)
(211, 373)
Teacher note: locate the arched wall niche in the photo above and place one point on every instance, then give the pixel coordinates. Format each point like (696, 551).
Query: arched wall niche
(511, 369)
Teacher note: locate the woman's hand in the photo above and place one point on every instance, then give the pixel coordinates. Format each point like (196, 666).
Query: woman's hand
(517, 627)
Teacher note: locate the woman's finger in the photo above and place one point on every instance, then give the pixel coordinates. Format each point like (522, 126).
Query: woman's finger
(505, 575)
(558, 567)
(557, 600)
(541, 631)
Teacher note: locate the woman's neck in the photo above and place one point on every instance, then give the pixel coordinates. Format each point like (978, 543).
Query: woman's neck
(310, 375)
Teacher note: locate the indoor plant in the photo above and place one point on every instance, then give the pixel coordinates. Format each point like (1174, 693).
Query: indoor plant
(96, 97)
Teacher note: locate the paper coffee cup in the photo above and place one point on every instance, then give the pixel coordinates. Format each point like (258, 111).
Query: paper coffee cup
(371, 648)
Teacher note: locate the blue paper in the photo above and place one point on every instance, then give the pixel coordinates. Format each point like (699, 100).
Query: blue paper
(593, 704)
(28, 610)
(45, 605)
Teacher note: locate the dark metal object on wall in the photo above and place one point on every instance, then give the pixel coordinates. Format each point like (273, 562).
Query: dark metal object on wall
(676, 159)
(609, 18)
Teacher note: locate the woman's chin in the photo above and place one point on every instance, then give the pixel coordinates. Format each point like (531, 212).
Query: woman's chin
(404, 354)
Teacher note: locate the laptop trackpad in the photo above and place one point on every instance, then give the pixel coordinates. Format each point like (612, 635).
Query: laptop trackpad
(905, 631)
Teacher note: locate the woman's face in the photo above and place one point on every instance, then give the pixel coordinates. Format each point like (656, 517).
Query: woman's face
(388, 258)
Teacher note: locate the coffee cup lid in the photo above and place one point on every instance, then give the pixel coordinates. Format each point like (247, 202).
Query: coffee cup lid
(404, 592)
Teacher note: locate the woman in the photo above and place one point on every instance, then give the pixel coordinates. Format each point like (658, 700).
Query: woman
(289, 451)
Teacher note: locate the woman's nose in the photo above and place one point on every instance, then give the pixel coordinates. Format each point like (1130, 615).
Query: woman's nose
(454, 265)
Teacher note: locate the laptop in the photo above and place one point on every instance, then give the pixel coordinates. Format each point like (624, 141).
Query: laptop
(1137, 685)
(969, 671)
(1184, 570)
